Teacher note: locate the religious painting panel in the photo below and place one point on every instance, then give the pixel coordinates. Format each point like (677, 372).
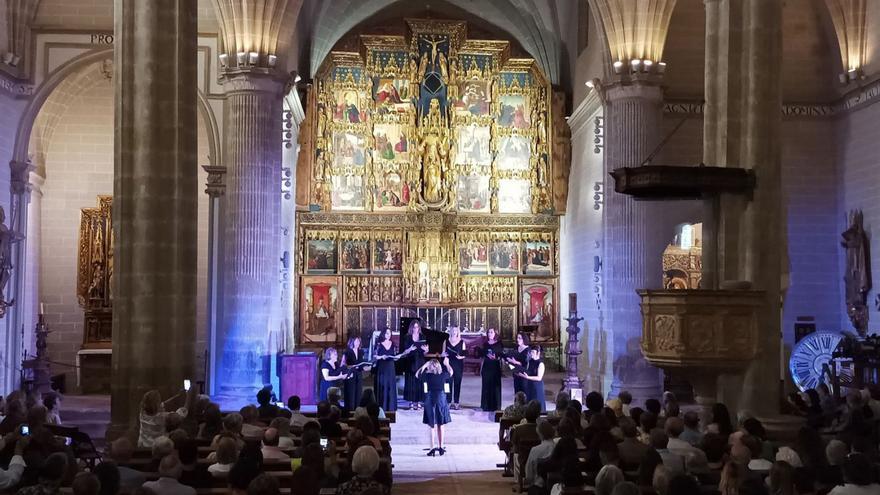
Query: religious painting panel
(514, 196)
(493, 320)
(392, 193)
(514, 153)
(391, 143)
(391, 95)
(320, 310)
(321, 252)
(387, 252)
(508, 324)
(354, 252)
(504, 254)
(538, 307)
(351, 108)
(472, 145)
(473, 193)
(514, 111)
(349, 150)
(473, 254)
(474, 99)
(537, 254)
(347, 192)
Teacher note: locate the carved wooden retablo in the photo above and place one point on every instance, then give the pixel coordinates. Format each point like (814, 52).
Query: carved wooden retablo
(94, 272)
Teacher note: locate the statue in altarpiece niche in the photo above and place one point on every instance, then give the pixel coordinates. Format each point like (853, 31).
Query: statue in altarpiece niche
(434, 151)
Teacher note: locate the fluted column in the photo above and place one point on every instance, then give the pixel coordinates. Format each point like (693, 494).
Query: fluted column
(155, 202)
(252, 155)
(215, 188)
(31, 296)
(633, 116)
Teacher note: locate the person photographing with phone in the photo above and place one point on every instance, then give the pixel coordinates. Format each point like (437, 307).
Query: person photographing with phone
(11, 476)
(153, 413)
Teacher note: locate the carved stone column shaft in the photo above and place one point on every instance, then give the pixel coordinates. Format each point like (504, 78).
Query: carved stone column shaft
(252, 113)
(632, 116)
(155, 202)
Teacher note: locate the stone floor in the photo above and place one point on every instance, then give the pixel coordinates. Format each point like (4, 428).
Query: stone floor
(469, 466)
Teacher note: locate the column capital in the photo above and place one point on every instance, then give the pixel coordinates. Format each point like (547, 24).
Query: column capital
(644, 90)
(20, 176)
(257, 80)
(215, 185)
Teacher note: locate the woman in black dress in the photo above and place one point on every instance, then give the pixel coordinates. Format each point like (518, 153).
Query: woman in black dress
(352, 387)
(415, 346)
(493, 352)
(457, 350)
(534, 377)
(330, 373)
(520, 359)
(436, 408)
(385, 383)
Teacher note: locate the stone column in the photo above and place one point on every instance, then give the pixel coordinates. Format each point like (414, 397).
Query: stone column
(155, 202)
(633, 115)
(31, 297)
(742, 129)
(215, 188)
(252, 154)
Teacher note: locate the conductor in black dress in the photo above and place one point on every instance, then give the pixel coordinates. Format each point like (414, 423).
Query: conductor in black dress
(415, 347)
(493, 353)
(436, 412)
(352, 388)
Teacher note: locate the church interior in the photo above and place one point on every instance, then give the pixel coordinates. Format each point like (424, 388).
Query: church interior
(589, 246)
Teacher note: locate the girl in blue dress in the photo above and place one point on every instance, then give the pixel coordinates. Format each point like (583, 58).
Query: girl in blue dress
(330, 373)
(534, 377)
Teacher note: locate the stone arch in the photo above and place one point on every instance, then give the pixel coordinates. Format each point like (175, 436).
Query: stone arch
(75, 66)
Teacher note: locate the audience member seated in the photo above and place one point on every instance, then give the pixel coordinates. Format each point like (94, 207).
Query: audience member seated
(270, 450)
(721, 423)
(571, 479)
(751, 482)
(859, 477)
(364, 464)
(195, 416)
(245, 470)
(227, 454)
(307, 477)
(647, 467)
(626, 488)
(660, 483)
(674, 427)
(108, 475)
(594, 403)
(334, 397)
(328, 418)
(607, 479)
(626, 399)
(368, 398)
(525, 432)
(539, 453)
(85, 484)
(692, 433)
(192, 473)
(232, 425)
(631, 450)
(168, 483)
(266, 411)
(121, 451)
(153, 415)
(162, 447)
(731, 478)
(212, 424)
(15, 414)
(52, 402)
(562, 399)
(757, 463)
(285, 439)
(832, 473)
(673, 462)
(781, 479)
(11, 476)
(297, 419)
(647, 423)
(264, 484)
(683, 485)
(51, 474)
(251, 428)
(366, 426)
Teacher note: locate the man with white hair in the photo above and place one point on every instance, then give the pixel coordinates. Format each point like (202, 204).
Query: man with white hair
(170, 470)
(364, 464)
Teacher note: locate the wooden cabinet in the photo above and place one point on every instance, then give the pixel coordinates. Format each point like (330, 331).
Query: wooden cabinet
(298, 375)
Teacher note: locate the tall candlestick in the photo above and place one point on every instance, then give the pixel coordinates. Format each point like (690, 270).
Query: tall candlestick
(42, 309)
(572, 302)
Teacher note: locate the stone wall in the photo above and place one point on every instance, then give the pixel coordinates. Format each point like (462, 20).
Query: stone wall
(79, 167)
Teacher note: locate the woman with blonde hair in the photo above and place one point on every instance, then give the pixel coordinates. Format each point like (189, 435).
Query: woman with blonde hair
(330, 372)
(457, 350)
(731, 479)
(436, 412)
(152, 414)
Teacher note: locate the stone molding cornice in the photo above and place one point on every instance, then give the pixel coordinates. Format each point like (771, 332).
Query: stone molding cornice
(580, 117)
(851, 101)
(15, 87)
(252, 81)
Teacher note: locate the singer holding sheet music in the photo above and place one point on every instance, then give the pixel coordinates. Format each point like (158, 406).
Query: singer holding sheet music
(457, 351)
(330, 373)
(493, 352)
(534, 376)
(385, 383)
(415, 347)
(353, 363)
(436, 408)
(521, 358)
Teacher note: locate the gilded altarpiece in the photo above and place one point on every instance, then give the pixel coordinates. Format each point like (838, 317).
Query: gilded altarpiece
(431, 182)
(94, 272)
